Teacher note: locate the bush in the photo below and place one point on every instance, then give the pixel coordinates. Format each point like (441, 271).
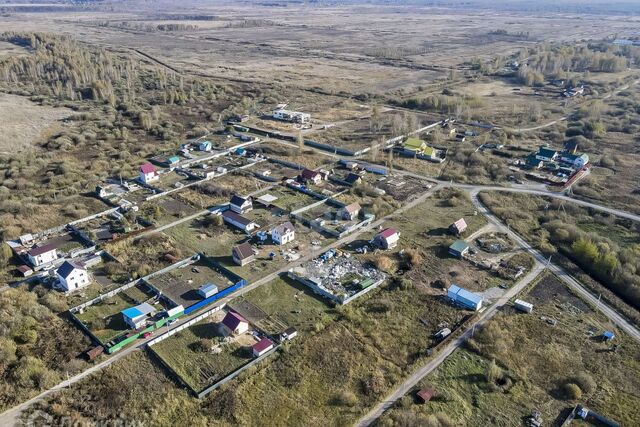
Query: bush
(345, 398)
(384, 263)
(571, 391)
(586, 382)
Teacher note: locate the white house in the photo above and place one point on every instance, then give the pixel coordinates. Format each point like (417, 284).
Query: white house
(350, 212)
(41, 255)
(148, 173)
(72, 276)
(387, 238)
(575, 160)
(290, 116)
(234, 324)
(137, 316)
(240, 204)
(283, 234)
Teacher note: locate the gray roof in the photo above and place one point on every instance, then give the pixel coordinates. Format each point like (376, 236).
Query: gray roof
(236, 217)
(282, 228)
(39, 250)
(237, 200)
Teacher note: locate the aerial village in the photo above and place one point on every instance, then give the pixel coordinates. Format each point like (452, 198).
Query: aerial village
(316, 227)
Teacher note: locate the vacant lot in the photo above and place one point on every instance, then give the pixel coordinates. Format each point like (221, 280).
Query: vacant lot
(534, 361)
(188, 352)
(25, 124)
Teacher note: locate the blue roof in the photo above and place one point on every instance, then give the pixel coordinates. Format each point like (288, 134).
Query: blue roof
(608, 334)
(463, 295)
(131, 312)
(174, 159)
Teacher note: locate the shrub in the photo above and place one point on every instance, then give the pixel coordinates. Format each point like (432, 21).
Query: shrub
(384, 263)
(345, 398)
(571, 391)
(586, 382)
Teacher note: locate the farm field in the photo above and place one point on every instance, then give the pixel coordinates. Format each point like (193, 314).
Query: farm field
(492, 371)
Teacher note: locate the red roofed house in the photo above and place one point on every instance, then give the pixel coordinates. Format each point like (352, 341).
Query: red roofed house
(262, 346)
(234, 324)
(243, 254)
(387, 238)
(458, 227)
(148, 173)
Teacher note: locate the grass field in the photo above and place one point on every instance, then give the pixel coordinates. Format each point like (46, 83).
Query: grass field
(535, 361)
(200, 368)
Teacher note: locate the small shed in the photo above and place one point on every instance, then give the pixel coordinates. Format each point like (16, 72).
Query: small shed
(458, 227)
(94, 352)
(425, 395)
(207, 290)
(523, 306)
(25, 270)
(262, 346)
(459, 248)
(290, 333)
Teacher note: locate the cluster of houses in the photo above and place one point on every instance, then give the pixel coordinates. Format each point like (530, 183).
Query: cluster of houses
(564, 163)
(415, 147)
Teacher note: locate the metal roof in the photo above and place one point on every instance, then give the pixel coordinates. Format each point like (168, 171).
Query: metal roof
(67, 268)
(39, 250)
(459, 246)
(147, 168)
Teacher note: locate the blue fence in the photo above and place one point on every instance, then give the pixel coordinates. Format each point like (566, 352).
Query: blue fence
(216, 297)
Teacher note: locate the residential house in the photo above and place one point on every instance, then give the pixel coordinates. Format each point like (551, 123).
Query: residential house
(279, 113)
(72, 275)
(571, 147)
(414, 146)
(240, 204)
(353, 179)
(533, 162)
(546, 154)
(312, 176)
(464, 298)
(461, 137)
(234, 324)
(243, 254)
(148, 173)
(172, 161)
(136, 317)
(458, 227)
(459, 248)
(204, 146)
(262, 347)
(267, 200)
(349, 212)
(41, 255)
(387, 238)
(576, 161)
(283, 233)
(239, 221)
(208, 290)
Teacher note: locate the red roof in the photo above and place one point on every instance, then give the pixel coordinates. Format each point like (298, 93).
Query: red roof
(426, 394)
(262, 345)
(388, 232)
(309, 174)
(147, 168)
(232, 320)
(460, 224)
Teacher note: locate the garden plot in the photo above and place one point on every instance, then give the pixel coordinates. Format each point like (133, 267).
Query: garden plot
(104, 319)
(290, 200)
(105, 229)
(202, 354)
(276, 171)
(181, 285)
(170, 180)
(401, 188)
(168, 209)
(64, 243)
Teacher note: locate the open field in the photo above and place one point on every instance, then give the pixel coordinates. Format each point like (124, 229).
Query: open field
(534, 362)
(25, 124)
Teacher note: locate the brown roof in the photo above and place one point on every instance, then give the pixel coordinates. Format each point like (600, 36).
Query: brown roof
(353, 207)
(426, 394)
(39, 250)
(243, 251)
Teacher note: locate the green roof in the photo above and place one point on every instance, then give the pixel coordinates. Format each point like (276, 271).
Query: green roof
(459, 246)
(429, 151)
(414, 144)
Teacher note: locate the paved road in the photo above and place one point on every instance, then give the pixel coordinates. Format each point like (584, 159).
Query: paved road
(11, 416)
(423, 371)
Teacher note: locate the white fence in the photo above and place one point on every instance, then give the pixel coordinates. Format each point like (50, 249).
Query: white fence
(185, 325)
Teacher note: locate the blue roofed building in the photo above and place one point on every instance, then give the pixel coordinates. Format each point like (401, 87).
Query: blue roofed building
(204, 146)
(137, 316)
(464, 298)
(459, 248)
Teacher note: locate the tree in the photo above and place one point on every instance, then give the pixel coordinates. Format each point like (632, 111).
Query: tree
(5, 254)
(572, 391)
(300, 141)
(585, 251)
(373, 151)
